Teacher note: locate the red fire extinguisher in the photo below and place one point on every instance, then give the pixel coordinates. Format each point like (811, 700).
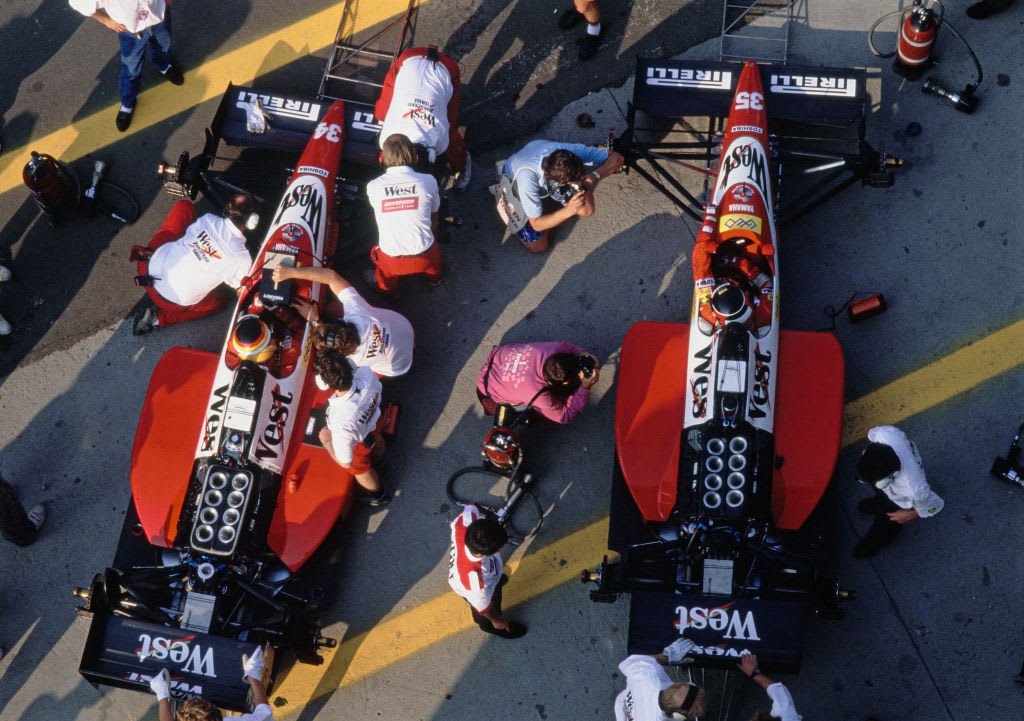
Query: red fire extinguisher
(53, 185)
(918, 32)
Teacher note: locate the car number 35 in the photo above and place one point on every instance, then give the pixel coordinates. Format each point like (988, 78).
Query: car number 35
(754, 101)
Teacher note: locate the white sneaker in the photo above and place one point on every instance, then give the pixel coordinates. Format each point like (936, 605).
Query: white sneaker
(463, 178)
(5, 274)
(5, 327)
(37, 515)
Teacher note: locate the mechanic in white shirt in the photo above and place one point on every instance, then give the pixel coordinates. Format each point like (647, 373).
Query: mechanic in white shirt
(420, 100)
(650, 695)
(200, 709)
(405, 203)
(783, 708)
(188, 259)
(378, 338)
(892, 464)
(352, 414)
(141, 26)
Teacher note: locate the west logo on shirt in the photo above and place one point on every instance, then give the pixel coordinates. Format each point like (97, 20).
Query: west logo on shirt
(421, 112)
(379, 342)
(204, 249)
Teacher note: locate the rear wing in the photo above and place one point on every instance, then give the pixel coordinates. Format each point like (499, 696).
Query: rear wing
(816, 120)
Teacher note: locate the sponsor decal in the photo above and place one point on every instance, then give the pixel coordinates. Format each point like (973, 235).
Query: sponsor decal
(380, 341)
(214, 412)
(745, 129)
(740, 208)
(720, 650)
(707, 229)
(393, 191)
(760, 403)
(813, 85)
(332, 132)
(203, 248)
(308, 199)
(735, 221)
(743, 193)
(365, 121)
(705, 283)
(699, 382)
(366, 415)
(313, 170)
(192, 658)
(291, 231)
(280, 106)
(689, 78)
(733, 622)
(392, 205)
(745, 159)
(422, 111)
(180, 688)
(273, 432)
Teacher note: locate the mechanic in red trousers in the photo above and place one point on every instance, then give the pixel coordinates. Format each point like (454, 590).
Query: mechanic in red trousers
(187, 260)
(405, 204)
(420, 100)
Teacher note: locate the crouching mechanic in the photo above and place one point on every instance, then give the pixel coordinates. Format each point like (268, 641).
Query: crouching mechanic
(352, 414)
(405, 205)
(475, 571)
(565, 173)
(783, 708)
(420, 100)
(187, 260)
(892, 465)
(650, 695)
(200, 709)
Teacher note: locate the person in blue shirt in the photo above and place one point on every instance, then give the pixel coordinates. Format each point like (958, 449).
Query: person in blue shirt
(564, 173)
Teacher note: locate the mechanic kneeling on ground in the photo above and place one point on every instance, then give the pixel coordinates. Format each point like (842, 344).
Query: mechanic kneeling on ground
(418, 85)
(650, 695)
(188, 259)
(405, 204)
(893, 466)
(475, 571)
(200, 709)
(552, 379)
(352, 414)
(559, 172)
(378, 338)
(783, 708)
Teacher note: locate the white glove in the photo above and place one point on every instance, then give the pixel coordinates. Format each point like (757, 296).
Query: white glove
(253, 665)
(160, 684)
(677, 650)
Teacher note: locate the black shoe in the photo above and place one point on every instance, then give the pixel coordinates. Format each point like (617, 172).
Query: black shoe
(173, 73)
(980, 11)
(515, 630)
(569, 18)
(589, 45)
(868, 505)
(375, 501)
(124, 118)
(145, 321)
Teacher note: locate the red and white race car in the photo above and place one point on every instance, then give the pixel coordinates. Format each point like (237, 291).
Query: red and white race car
(232, 492)
(726, 433)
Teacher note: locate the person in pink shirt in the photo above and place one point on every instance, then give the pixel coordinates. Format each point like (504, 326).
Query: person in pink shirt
(553, 379)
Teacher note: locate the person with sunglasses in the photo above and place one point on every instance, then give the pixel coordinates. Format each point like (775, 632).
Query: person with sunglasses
(650, 695)
(892, 465)
(562, 174)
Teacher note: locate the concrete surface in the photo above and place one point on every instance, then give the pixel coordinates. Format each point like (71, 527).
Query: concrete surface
(935, 632)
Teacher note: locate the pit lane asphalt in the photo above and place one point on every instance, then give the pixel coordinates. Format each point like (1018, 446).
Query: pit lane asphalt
(935, 632)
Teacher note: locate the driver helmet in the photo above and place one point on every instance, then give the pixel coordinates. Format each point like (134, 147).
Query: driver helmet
(252, 339)
(730, 304)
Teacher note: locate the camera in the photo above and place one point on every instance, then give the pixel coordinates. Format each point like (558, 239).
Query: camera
(569, 189)
(586, 364)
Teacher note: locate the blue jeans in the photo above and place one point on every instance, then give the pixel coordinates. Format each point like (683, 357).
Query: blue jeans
(133, 51)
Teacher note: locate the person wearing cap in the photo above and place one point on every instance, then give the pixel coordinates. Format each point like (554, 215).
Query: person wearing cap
(200, 709)
(475, 571)
(892, 465)
(378, 338)
(420, 100)
(783, 708)
(650, 695)
(188, 259)
(352, 414)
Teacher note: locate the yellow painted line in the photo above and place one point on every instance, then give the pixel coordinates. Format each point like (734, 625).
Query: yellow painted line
(935, 383)
(208, 81)
(403, 636)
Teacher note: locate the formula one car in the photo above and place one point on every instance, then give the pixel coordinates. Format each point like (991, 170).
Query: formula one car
(719, 495)
(232, 491)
